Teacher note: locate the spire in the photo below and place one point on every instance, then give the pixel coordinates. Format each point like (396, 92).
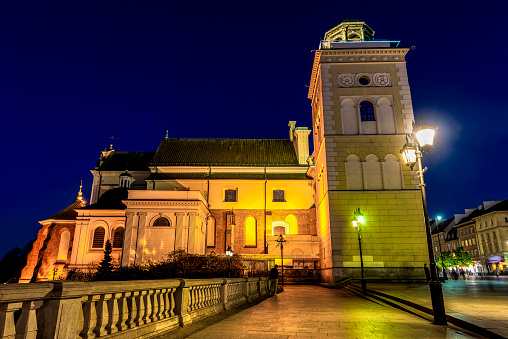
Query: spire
(80, 193)
(167, 134)
(111, 145)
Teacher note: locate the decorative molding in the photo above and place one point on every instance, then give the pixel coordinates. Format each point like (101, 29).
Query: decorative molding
(376, 79)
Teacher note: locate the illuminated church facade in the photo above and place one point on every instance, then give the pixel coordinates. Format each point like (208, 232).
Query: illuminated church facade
(210, 195)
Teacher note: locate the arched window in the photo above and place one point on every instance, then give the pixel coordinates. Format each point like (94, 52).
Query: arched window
(280, 227)
(161, 222)
(118, 237)
(63, 249)
(367, 111)
(293, 224)
(98, 237)
(373, 178)
(250, 232)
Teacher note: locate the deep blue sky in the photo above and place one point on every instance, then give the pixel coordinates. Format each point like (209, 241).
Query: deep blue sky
(76, 72)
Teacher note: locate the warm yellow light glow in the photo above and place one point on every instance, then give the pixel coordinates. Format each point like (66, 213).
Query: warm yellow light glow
(293, 224)
(409, 155)
(425, 135)
(250, 231)
(355, 223)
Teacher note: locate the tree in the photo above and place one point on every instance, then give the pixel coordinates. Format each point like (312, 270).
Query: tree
(13, 262)
(105, 266)
(461, 257)
(445, 260)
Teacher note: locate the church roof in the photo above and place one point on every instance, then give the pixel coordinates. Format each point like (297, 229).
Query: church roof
(110, 200)
(69, 212)
(229, 175)
(121, 161)
(225, 152)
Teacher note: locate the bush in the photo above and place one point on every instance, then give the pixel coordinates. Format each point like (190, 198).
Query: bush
(178, 264)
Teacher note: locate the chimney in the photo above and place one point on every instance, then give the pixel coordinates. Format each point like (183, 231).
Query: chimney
(300, 138)
(291, 125)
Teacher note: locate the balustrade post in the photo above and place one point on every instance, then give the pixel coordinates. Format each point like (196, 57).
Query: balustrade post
(90, 317)
(26, 326)
(140, 304)
(182, 298)
(133, 310)
(123, 311)
(148, 307)
(7, 325)
(156, 305)
(113, 310)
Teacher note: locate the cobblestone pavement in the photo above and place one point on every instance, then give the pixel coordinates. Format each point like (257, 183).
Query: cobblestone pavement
(318, 312)
(483, 301)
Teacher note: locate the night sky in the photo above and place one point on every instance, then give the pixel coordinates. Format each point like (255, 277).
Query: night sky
(76, 72)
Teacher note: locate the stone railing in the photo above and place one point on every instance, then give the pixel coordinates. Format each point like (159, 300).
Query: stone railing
(130, 309)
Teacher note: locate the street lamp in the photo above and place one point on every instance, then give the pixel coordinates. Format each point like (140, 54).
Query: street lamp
(438, 219)
(281, 242)
(357, 222)
(422, 139)
(229, 253)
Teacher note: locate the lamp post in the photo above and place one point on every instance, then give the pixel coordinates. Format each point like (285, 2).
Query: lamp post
(229, 253)
(422, 139)
(357, 223)
(281, 242)
(438, 219)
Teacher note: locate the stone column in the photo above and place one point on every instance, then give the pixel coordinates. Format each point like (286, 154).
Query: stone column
(192, 243)
(179, 231)
(140, 246)
(127, 240)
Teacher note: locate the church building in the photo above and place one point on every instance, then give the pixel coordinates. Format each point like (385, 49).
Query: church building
(212, 195)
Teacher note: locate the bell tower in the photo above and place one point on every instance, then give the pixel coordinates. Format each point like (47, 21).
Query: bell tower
(362, 109)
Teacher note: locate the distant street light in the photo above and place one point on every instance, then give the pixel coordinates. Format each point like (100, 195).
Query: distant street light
(422, 139)
(229, 253)
(438, 219)
(357, 222)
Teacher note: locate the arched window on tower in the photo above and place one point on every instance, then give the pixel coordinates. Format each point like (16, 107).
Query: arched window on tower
(98, 237)
(63, 249)
(118, 237)
(250, 232)
(161, 222)
(367, 111)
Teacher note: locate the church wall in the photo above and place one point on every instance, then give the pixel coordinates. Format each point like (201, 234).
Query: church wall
(251, 194)
(82, 253)
(306, 220)
(43, 257)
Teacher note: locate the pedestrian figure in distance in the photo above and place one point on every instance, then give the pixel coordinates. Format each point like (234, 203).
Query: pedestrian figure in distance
(274, 279)
(427, 272)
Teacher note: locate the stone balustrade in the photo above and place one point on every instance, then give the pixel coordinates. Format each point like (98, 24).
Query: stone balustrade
(122, 309)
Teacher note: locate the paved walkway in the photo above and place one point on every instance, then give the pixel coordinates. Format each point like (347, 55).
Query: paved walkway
(318, 312)
(482, 301)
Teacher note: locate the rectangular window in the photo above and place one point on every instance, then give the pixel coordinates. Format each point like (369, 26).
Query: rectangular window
(278, 196)
(491, 222)
(505, 219)
(230, 195)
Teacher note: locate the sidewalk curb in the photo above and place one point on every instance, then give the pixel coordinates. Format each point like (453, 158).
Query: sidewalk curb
(468, 325)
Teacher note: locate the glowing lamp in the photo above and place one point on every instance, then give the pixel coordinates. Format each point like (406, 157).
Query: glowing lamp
(425, 134)
(229, 252)
(409, 154)
(438, 218)
(357, 218)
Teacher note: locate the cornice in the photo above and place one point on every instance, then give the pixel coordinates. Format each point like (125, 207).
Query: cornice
(388, 51)
(132, 203)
